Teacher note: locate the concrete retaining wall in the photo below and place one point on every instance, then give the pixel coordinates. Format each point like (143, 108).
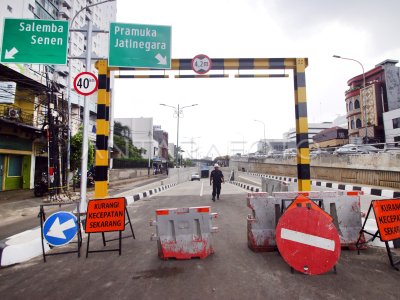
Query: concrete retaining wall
(381, 169)
(121, 174)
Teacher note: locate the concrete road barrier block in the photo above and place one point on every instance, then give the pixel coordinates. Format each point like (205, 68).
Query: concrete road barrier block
(22, 247)
(184, 233)
(262, 222)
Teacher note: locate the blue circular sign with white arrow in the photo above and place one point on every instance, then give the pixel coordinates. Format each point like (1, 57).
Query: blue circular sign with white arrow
(60, 228)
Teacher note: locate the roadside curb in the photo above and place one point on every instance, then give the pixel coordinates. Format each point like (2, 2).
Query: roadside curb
(334, 185)
(26, 245)
(148, 193)
(246, 186)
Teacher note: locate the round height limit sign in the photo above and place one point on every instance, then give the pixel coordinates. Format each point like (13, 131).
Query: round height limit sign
(86, 83)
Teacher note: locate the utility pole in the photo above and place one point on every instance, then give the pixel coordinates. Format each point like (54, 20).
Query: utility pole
(85, 135)
(178, 112)
(362, 94)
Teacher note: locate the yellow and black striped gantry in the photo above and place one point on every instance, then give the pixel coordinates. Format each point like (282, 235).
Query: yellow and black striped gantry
(298, 65)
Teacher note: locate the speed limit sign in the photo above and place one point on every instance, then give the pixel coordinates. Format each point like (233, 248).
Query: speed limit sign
(86, 83)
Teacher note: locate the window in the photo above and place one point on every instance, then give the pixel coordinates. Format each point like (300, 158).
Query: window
(350, 105)
(356, 104)
(15, 165)
(358, 123)
(396, 123)
(9, 8)
(31, 8)
(352, 124)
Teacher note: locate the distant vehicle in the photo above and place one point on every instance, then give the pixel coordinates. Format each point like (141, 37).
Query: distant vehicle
(291, 152)
(356, 149)
(318, 152)
(204, 171)
(195, 176)
(274, 154)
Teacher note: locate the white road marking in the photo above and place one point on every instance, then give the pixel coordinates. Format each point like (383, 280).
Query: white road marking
(308, 239)
(201, 189)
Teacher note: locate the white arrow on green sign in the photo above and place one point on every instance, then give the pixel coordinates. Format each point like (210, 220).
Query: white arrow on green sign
(34, 41)
(140, 46)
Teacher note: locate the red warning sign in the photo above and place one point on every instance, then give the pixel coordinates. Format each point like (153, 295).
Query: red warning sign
(307, 239)
(105, 215)
(387, 215)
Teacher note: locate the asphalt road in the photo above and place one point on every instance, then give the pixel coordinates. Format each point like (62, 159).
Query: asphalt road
(232, 272)
(20, 215)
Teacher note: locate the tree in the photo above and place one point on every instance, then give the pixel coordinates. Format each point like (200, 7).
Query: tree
(76, 151)
(123, 142)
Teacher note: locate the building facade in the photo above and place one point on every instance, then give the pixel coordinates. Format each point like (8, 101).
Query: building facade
(331, 137)
(141, 133)
(161, 137)
(313, 129)
(391, 122)
(23, 117)
(366, 105)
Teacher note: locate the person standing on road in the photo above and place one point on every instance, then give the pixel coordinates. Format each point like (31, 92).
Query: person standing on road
(216, 178)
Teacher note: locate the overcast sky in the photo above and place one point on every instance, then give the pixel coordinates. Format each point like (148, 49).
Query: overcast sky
(366, 30)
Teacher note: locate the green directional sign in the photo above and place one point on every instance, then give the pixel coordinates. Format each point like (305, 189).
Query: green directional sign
(140, 46)
(34, 41)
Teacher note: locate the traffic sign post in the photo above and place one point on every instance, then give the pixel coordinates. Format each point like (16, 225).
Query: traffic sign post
(387, 215)
(86, 83)
(35, 41)
(307, 239)
(140, 46)
(106, 215)
(60, 228)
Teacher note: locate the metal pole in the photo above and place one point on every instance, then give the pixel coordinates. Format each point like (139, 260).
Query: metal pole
(178, 115)
(85, 135)
(149, 154)
(69, 90)
(111, 133)
(177, 137)
(361, 93)
(264, 142)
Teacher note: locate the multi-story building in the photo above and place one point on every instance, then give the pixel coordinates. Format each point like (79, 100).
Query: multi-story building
(367, 106)
(23, 109)
(161, 137)
(391, 122)
(142, 135)
(313, 129)
(331, 137)
(172, 151)
(100, 16)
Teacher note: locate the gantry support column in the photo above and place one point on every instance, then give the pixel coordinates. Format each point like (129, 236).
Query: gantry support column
(102, 131)
(303, 153)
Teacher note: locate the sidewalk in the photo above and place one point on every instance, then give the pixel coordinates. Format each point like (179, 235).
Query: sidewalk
(19, 242)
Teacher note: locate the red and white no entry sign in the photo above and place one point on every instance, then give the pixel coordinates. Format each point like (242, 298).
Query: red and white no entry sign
(308, 240)
(86, 83)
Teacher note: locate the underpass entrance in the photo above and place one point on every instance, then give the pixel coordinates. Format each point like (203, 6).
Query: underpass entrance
(298, 66)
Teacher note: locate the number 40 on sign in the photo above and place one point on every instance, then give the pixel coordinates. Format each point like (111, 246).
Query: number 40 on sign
(86, 83)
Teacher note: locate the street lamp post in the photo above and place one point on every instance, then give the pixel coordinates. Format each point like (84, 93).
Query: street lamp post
(178, 112)
(364, 100)
(264, 142)
(85, 133)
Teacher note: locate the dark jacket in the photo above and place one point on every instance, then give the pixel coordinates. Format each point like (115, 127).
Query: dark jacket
(216, 177)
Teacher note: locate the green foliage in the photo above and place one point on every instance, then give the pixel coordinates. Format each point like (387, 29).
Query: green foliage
(126, 163)
(123, 142)
(76, 151)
